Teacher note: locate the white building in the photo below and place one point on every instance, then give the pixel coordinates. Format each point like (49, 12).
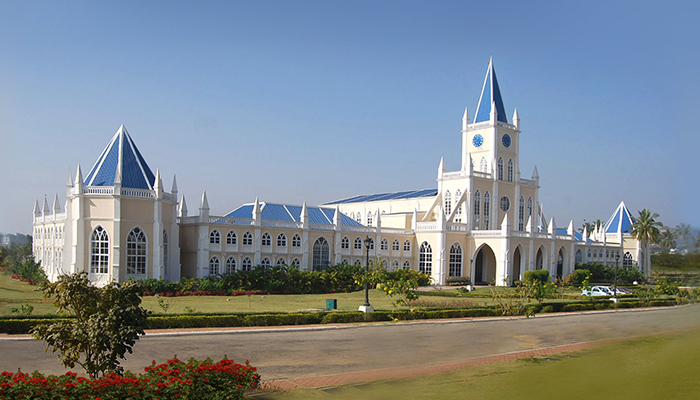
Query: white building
(483, 221)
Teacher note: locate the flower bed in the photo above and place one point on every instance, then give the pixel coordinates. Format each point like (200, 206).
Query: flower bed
(172, 380)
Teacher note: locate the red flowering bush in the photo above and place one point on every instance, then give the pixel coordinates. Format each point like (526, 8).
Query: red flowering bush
(201, 380)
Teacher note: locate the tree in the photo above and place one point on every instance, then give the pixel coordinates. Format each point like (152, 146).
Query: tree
(106, 322)
(683, 231)
(667, 239)
(588, 227)
(645, 229)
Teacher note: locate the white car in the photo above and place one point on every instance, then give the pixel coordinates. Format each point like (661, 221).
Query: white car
(597, 291)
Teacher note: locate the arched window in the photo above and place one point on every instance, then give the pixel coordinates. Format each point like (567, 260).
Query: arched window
(499, 170)
(529, 207)
(384, 245)
(99, 251)
(296, 263)
(448, 203)
(607, 253)
(395, 245)
(487, 211)
(136, 252)
(214, 266)
(165, 251)
(371, 244)
(458, 210)
(231, 237)
(483, 166)
(296, 240)
(359, 217)
(247, 263)
(345, 243)
(521, 214)
(214, 237)
(281, 261)
(369, 218)
(455, 260)
(321, 254)
(230, 265)
(595, 253)
(265, 262)
(477, 210)
(425, 258)
(358, 262)
(578, 257)
(358, 244)
(510, 170)
(345, 261)
(407, 245)
(628, 260)
(281, 240)
(265, 240)
(395, 265)
(247, 239)
(407, 264)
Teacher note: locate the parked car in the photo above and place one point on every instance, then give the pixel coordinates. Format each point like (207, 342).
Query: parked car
(597, 291)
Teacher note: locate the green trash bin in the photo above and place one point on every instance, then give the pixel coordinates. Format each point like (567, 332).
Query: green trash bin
(332, 304)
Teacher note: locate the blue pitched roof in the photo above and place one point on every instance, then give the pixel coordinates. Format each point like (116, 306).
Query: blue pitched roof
(408, 194)
(290, 213)
(490, 93)
(620, 220)
(121, 155)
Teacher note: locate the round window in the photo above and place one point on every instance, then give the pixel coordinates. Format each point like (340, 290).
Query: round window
(505, 203)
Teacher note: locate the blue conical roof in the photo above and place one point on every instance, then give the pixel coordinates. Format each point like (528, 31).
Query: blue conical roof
(121, 158)
(490, 93)
(620, 221)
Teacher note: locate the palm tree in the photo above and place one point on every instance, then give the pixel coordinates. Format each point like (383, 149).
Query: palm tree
(667, 239)
(646, 230)
(599, 224)
(683, 232)
(588, 227)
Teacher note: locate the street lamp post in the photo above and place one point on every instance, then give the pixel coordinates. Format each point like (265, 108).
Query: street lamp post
(366, 307)
(617, 261)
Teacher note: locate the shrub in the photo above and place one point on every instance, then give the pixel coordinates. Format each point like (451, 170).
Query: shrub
(541, 275)
(174, 379)
(577, 277)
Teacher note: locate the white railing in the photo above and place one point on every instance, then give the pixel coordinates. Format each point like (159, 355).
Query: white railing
(98, 190)
(456, 227)
(519, 234)
(563, 237)
(230, 220)
(169, 197)
(454, 174)
(396, 231)
(142, 193)
(282, 224)
(322, 227)
(427, 226)
(490, 233)
(528, 182)
(188, 220)
(361, 229)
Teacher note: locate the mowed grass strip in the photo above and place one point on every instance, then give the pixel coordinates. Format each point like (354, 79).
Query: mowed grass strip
(654, 367)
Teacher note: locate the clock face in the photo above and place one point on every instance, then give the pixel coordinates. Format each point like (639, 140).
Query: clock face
(478, 140)
(506, 140)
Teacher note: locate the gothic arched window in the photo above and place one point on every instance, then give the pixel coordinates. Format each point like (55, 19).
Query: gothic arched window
(99, 251)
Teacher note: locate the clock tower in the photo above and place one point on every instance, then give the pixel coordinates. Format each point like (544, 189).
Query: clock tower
(490, 137)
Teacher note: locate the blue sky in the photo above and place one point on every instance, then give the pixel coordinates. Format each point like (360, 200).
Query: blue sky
(320, 100)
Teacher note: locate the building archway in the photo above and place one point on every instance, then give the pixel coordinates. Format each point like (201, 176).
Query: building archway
(517, 265)
(484, 266)
(541, 258)
(561, 260)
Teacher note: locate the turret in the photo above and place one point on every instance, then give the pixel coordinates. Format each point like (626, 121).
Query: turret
(505, 225)
(256, 212)
(204, 209)
(304, 216)
(56, 205)
(37, 210)
(465, 119)
(46, 210)
(516, 119)
(183, 207)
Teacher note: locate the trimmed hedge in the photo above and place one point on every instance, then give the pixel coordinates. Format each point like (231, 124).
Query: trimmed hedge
(18, 325)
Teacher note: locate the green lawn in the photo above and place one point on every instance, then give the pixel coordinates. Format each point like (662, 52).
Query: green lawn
(656, 367)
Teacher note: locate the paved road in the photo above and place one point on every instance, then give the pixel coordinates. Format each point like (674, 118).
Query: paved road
(299, 353)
